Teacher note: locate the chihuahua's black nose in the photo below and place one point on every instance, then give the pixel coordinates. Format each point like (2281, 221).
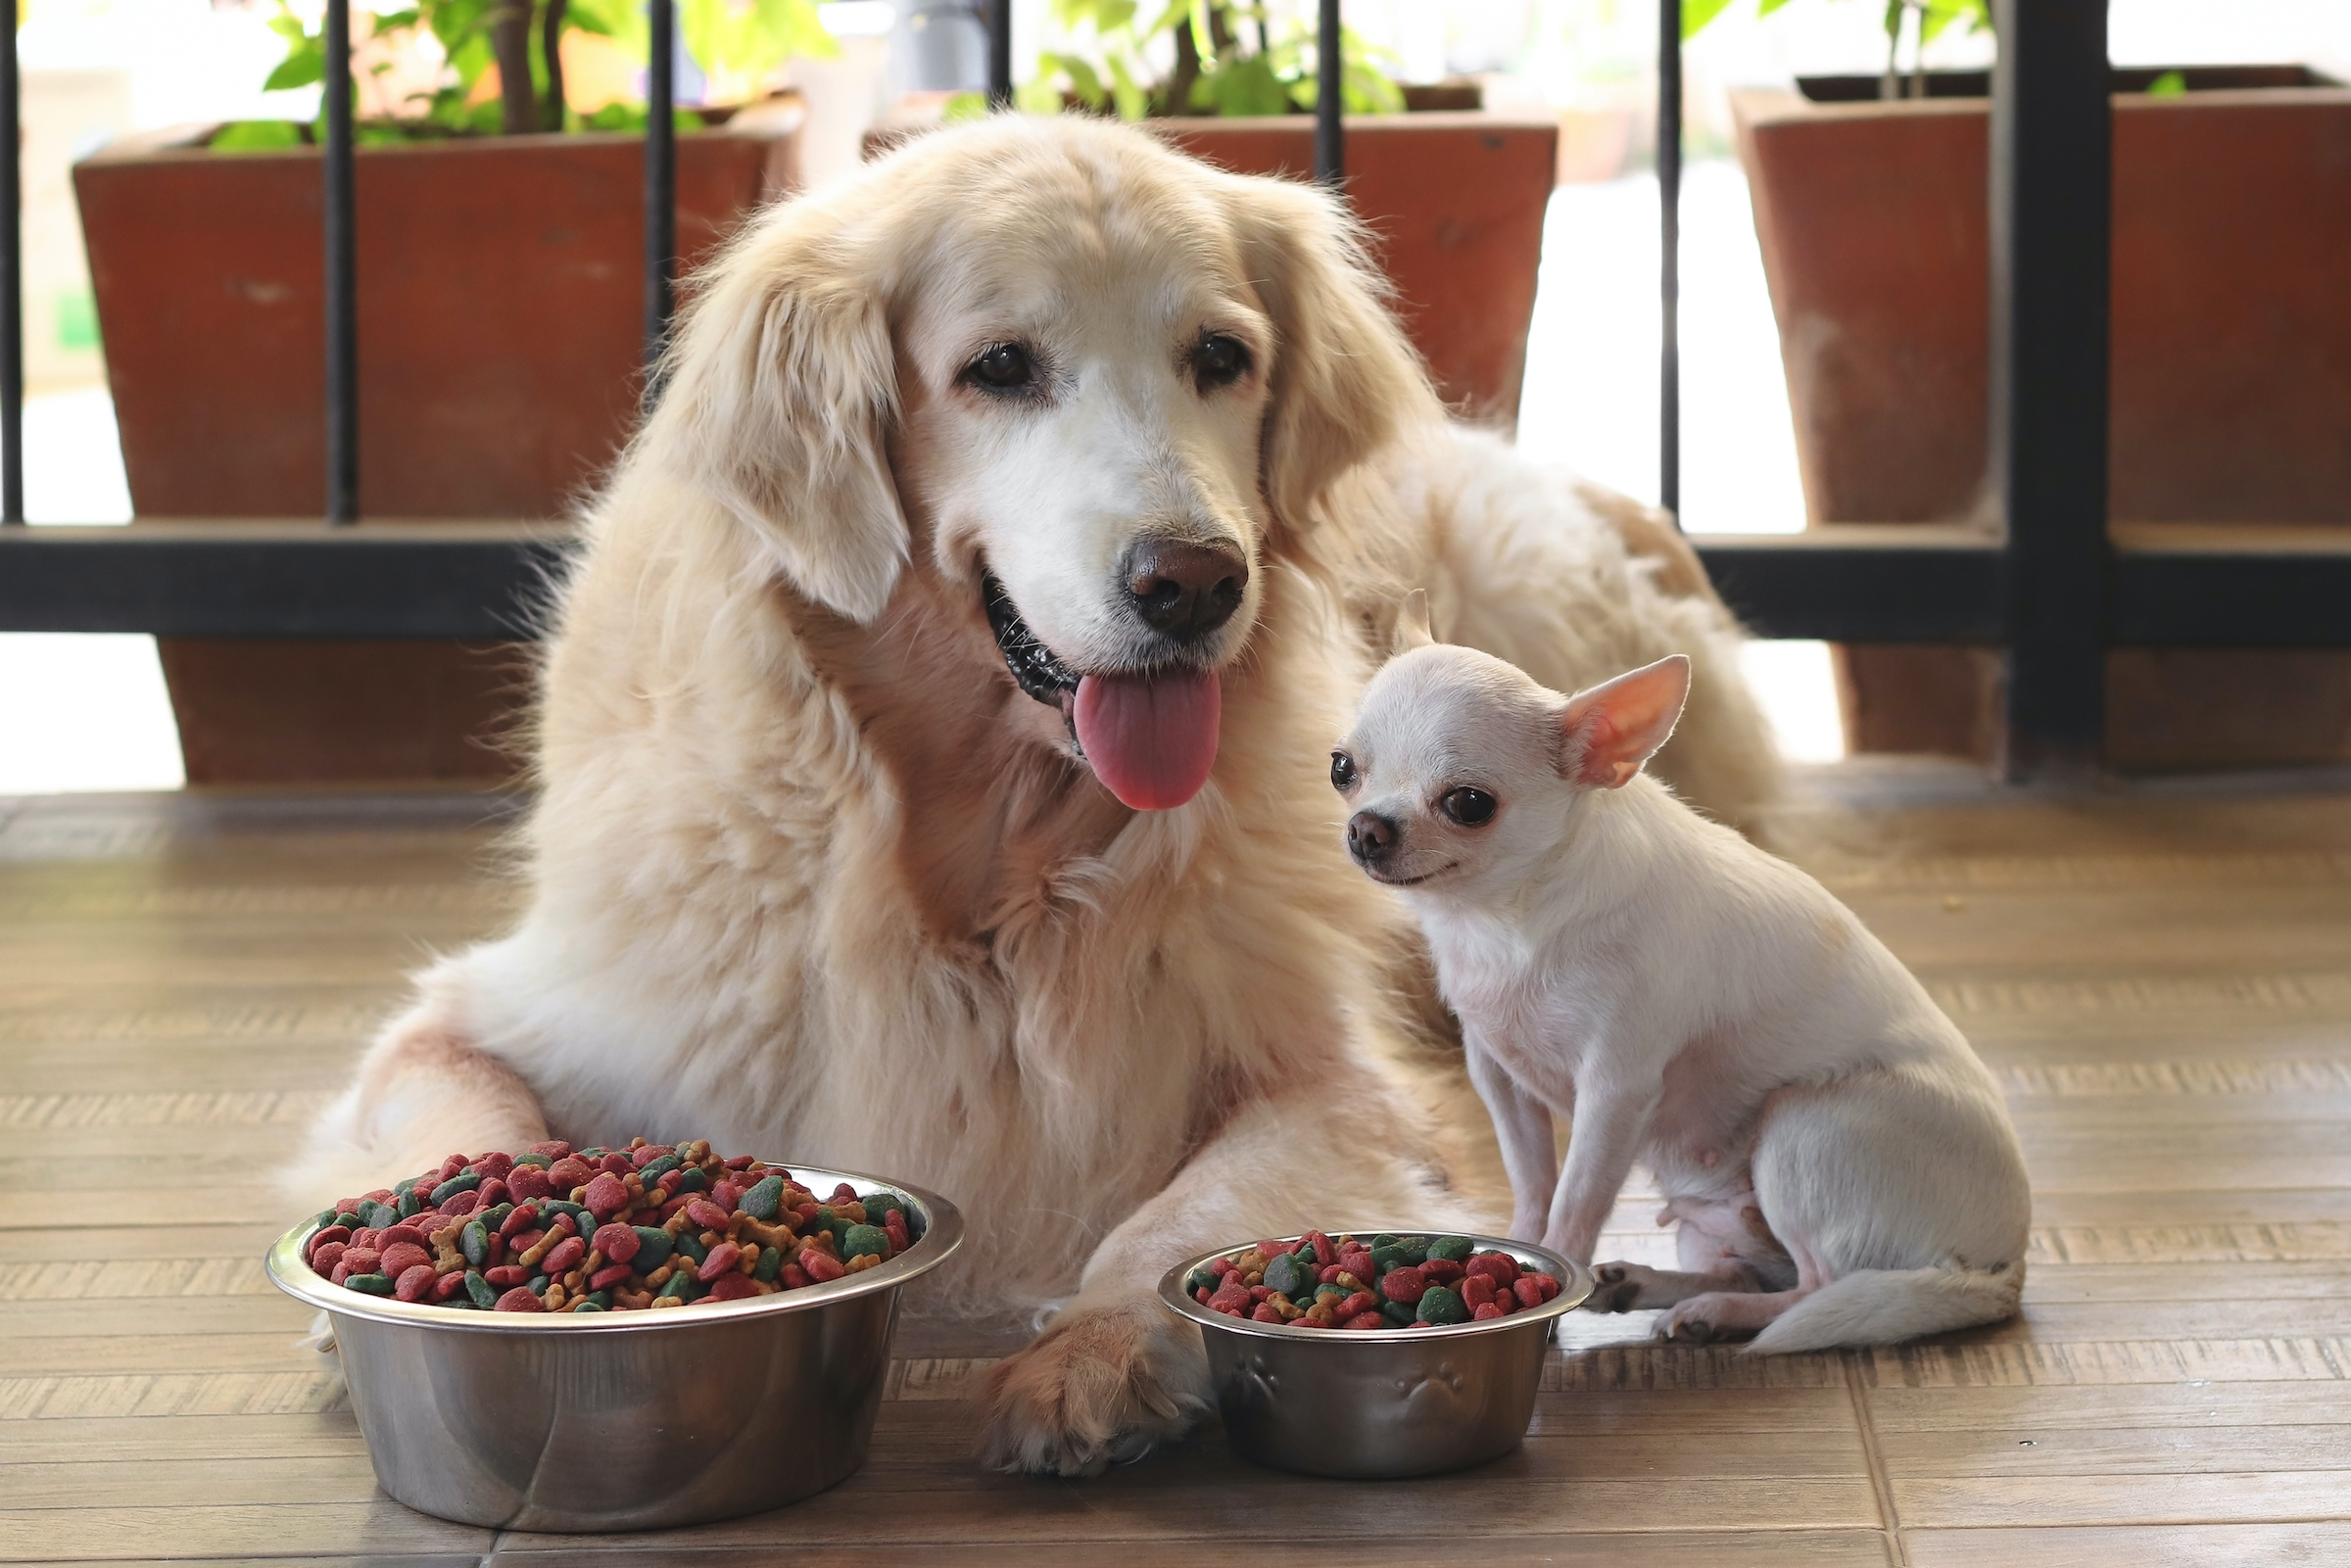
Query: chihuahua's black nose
(1370, 836)
(1183, 590)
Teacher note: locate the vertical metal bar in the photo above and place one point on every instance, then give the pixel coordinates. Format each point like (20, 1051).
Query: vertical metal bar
(1670, 252)
(2051, 197)
(660, 181)
(1331, 97)
(12, 294)
(342, 278)
(998, 15)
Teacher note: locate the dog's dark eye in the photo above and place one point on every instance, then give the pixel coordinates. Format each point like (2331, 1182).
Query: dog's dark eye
(1342, 772)
(1468, 807)
(1006, 367)
(1219, 361)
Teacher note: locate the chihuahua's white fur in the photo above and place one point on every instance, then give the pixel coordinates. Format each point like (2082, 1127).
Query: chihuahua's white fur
(1839, 1159)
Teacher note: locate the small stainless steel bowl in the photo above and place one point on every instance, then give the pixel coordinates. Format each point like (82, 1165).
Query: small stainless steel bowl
(623, 1420)
(1372, 1406)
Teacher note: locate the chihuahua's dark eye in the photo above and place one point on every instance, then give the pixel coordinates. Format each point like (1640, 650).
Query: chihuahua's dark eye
(1342, 772)
(1469, 807)
(1006, 367)
(1219, 361)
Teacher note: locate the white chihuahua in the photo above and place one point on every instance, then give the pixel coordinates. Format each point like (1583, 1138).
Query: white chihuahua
(1839, 1158)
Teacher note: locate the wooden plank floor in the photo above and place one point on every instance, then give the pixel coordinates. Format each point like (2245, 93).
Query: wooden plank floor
(2161, 977)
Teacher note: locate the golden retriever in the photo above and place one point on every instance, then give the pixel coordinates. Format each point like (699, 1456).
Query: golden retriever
(1035, 475)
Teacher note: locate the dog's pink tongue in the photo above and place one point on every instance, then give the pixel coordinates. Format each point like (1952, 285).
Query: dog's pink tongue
(1151, 738)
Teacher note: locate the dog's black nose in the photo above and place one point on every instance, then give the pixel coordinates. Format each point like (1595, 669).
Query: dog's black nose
(1185, 590)
(1369, 835)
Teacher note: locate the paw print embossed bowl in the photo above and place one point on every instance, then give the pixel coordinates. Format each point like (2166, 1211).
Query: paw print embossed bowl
(1379, 1406)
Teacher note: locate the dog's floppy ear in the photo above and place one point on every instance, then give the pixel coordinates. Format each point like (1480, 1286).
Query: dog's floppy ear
(1412, 622)
(1605, 732)
(1344, 377)
(783, 390)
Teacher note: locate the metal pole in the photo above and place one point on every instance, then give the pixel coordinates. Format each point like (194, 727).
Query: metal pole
(1669, 250)
(1331, 99)
(999, 16)
(660, 181)
(12, 295)
(342, 279)
(2051, 195)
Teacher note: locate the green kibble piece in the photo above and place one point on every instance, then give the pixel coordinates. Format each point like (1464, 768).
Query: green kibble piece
(770, 1264)
(591, 1304)
(865, 1241)
(1289, 1274)
(654, 1171)
(691, 1245)
(454, 1186)
(535, 1162)
(400, 1187)
(1440, 1304)
(1401, 1313)
(474, 1242)
(1198, 1280)
(653, 1245)
(1384, 1239)
(1454, 1248)
(763, 1200)
(325, 1217)
(369, 1284)
(694, 1180)
(597, 1302)
(536, 1284)
(1333, 1294)
(494, 1218)
(881, 1204)
(380, 1217)
(592, 1156)
(1384, 1259)
(484, 1294)
(408, 1205)
(681, 1286)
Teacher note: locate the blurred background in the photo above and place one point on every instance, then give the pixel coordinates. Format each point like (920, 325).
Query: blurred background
(92, 713)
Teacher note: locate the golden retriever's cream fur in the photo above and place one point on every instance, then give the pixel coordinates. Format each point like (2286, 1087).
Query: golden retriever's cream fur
(812, 878)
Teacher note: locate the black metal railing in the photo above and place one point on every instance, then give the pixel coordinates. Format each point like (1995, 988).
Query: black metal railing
(2055, 588)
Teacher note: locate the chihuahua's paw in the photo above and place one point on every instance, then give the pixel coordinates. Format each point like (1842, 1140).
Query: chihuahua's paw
(1626, 1287)
(1709, 1319)
(1104, 1385)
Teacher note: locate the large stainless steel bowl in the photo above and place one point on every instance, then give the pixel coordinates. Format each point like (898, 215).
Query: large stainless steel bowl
(623, 1420)
(1381, 1406)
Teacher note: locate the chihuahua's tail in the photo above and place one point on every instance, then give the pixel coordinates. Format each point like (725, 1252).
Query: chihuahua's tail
(1886, 1306)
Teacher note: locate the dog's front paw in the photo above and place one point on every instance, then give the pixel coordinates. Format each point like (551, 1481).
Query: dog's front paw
(1709, 1319)
(1617, 1288)
(1103, 1386)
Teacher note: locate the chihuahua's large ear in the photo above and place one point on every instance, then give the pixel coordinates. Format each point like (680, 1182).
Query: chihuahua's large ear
(1412, 622)
(1344, 377)
(1605, 732)
(782, 388)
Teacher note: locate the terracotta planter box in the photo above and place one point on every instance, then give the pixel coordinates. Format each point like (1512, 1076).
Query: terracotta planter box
(2232, 368)
(501, 306)
(1454, 198)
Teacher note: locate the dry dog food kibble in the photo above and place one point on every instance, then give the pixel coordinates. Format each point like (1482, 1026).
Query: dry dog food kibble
(1387, 1282)
(596, 1230)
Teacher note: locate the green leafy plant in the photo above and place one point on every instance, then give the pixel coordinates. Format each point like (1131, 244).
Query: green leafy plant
(1933, 19)
(736, 42)
(1230, 57)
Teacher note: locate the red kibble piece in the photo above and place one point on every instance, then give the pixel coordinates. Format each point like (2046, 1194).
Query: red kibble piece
(607, 1278)
(618, 1164)
(1494, 1265)
(492, 1192)
(518, 1300)
(452, 1165)
(894, 1228)
(708, 1215)
(1230, 1295)
(507, 1275)
(1202, 1295)
(820, 1266)
(669, 1211)
(347, 1205)
(413, 1235)
(401, 1256)
(606, 1196)
(1266, 1312)
(1329, 1274)
(368, 1239)
(1484, 1311)
(324, 1259)
(1406, 1285)
(1361, 1302)
(641, 1157)
(494, 1166)
(563, 1257)
(415, 1283)
(1478, 1290)
(1260, 1293)
(381, 1194)
(1324, 1253)
(1220, 1267)
(1506, 1300)
(732, 1288)
(1441, 1270)
(569, 1172)
(1364, 1321)
(722, 1259)
(553, 1150)
(462, 1204)
(522, 1218)
(528, 1240)
(844, 1193)
(794, 1276)
(617, 1242)
(529, 1183)
(361, 1260)
(727, 1195)
(1526, 1292)
(1548, 1285)
(332, 1233)
(566, 1224)
(449, 1284)
(340, 1272)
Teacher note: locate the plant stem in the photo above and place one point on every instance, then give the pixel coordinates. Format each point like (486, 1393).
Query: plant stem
(551, 38)
(1186, 72)
(510, 43)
